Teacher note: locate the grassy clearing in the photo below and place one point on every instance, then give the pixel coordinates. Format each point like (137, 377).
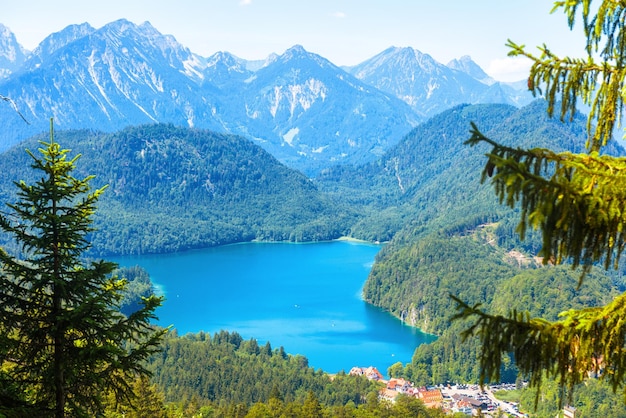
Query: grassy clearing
(508, 395)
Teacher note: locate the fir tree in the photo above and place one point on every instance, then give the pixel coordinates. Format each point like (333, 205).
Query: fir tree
(577, 201)
(64, 342)
(148, 403)
(311, 407)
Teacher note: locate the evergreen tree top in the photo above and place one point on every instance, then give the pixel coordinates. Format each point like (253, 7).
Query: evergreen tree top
(65, 343)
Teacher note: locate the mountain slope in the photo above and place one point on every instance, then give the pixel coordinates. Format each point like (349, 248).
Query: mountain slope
(455, 237)
(469, 67)
(429, 179)
(12, 55)
(306, 111)
(428, 86)
(449, 234)
(119, 75)
(428, 186)
(226, 71)
(171, 189)
(319, 115)
(43, 54)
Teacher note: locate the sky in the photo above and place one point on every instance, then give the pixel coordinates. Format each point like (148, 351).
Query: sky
(346, 32)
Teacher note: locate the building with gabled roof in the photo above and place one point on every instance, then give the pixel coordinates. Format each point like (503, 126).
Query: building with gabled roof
(388, 394)
(431, 398)
(371, 372)
(400, 385)
(356, 371)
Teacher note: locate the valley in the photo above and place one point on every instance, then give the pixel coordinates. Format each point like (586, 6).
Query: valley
(199, 153)
(177, 189)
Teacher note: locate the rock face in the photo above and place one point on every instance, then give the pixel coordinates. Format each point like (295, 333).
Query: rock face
(314, 114)
(430, 87)
(12, 55)
(309, 113)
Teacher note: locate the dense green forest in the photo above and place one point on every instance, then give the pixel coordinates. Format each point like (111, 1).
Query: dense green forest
(139, 286)
(226, 376)
(171, 189)
(226, 368)
(430, 181)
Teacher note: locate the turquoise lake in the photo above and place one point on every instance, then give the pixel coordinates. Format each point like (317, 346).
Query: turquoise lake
(304, 297)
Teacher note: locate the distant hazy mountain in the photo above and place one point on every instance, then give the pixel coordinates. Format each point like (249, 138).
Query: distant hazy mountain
(429, 86)
(306, 111)
(119, 75)
(12, 54)
(318, 114)
(225, 70)
(469, 67)
(301, 107)
(43, 54)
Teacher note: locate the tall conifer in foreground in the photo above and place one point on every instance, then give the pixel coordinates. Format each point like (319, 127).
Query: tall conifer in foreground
(578, 201)
(64, 342)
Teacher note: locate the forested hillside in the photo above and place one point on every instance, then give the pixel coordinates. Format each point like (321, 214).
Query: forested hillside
(427, 182)
(225, 368)
(171, 189)
(222, 375)
(448, 234)
(431, 180)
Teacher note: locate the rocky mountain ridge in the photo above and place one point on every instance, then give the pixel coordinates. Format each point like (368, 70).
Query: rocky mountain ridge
(306, 111)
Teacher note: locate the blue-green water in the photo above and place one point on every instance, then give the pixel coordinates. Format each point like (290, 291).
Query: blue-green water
(305, 297)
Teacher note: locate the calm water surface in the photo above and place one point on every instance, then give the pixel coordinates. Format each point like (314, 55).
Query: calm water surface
(305, 297)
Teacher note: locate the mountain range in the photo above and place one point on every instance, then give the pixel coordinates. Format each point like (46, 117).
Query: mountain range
(306, 111)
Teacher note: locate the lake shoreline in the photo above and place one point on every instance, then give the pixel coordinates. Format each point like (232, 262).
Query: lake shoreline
(305, 298)
(357, 240)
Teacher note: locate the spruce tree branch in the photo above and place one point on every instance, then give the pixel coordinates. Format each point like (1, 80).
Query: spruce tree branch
(564, 80)
(577, 200)
(582, 342)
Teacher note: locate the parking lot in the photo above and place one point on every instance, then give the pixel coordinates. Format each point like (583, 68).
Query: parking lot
(484, 396)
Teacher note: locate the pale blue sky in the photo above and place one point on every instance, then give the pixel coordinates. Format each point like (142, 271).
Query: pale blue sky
(346, 32)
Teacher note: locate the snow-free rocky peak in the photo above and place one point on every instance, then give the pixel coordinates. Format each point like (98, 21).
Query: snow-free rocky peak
(466, 65)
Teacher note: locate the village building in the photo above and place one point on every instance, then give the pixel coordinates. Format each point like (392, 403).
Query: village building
(399, 385)
(388, 394)
(356, 371)
(464, 402)
(431, 398)
(371, 373)
(470, 401)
